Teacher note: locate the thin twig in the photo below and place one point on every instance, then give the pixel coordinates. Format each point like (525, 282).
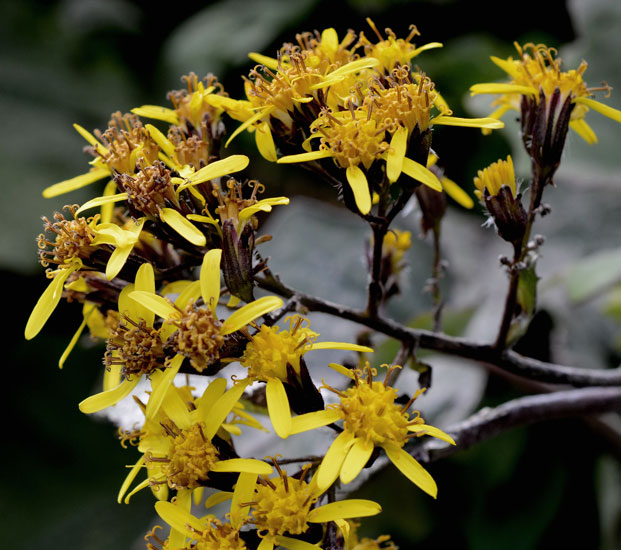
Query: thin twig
(488, 423)
(507, 360)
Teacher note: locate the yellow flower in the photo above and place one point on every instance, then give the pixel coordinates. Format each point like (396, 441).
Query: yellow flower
(371, 419)
(196, 332)
(271, 352)
(494, 177)
(393, 51)
(135, 349)
(153, 189)
(74, 241)
(538, 70)
(177, 443)
(116, 150)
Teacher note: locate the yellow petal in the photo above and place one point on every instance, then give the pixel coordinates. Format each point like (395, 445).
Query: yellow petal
(430, 430)
(344, 509)
(249, 122)
(264, 205)
(457, 193)
(614, 114)
(217, 498)
(278, 407)
(158, 113)
(176, 409)
(107, 210)
(112, 376)
(341, 345)
(269, 62)
(158, 305)
(356, 459)
(130, 478)
(583, 130)
(189, 294)
(244, 491)
(159, 138)
(396, 154)
(313, 420)
(99, 201)
(210, 278)
(182, 226)
(108, 398)
(507, 65)
(341, 369)
(502, 88)
(250, 312)
(75, 183)
(161, 382)
(265, 142)
(486, 122)
(212, 393)
(222, 407)
(267, 543)
(217, 169)
(145, 281)
(330, 467)
(89, 137)
(47, 303)
(74, 340)
(249, 465)
(293, 544)
(426, 47)
(305, 157)
(178, 518)
(117, 261)
(360, 188)
(411, 469)
(420, 173)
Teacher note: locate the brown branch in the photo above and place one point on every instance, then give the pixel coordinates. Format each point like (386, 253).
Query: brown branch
(507, 360)
(488, 423)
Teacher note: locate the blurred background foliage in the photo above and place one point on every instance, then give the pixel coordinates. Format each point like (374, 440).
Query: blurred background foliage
(552, 484)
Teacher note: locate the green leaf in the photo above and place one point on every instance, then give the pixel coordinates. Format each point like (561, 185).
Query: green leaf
(593, 274)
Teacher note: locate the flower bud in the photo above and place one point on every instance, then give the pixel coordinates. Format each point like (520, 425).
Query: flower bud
(237, 260)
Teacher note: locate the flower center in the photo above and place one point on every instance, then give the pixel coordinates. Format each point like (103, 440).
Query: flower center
(403, 102)
(73, 239)
(124, 139)
(192, 150)
(135, 346)
(270, 350)
(192, 110)
(282, 505)
(219, 536)
(494, 177)
(280, 89)
(150, 189)
(191, 457)
(370, 412)
(352, 136)
(198, 337)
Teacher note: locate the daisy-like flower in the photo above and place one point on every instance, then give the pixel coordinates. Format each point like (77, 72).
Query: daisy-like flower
(73, 244)
(135, 348)
(393, 51)
(195, 332)
(192, 113)
(283, 97)
(178, 445)
(371, 418)
(116, 150)
(390, 119)
(274, 356)
(496, 188)
(536, 75)
(154, 191)
(280, 507)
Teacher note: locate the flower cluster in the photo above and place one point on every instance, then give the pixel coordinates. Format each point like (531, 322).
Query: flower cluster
(167, 269)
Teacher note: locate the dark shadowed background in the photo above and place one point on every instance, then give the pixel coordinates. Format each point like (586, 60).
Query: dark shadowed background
(554, 484)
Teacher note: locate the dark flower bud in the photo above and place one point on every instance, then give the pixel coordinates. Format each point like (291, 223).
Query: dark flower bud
(237, 260)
